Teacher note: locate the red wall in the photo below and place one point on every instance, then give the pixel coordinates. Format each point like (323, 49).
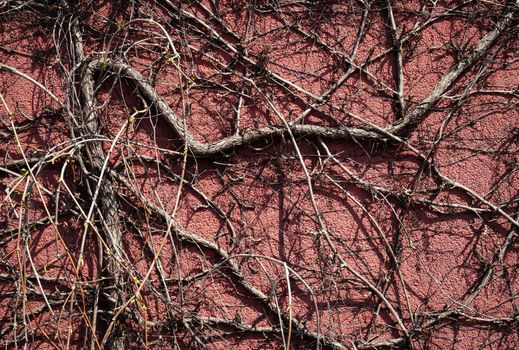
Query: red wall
(405, 237)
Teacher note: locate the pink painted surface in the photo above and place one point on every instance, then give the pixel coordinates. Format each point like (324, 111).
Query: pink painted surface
(262, 188)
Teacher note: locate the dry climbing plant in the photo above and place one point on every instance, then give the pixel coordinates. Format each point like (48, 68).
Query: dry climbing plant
(261, 174)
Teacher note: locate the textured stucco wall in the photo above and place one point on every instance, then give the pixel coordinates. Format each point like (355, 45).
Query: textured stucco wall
(245, 219)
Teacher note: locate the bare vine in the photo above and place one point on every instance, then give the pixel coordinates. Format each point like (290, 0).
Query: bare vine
(258, 174)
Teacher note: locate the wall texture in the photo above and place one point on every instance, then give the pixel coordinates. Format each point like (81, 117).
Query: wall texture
(259, 174)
